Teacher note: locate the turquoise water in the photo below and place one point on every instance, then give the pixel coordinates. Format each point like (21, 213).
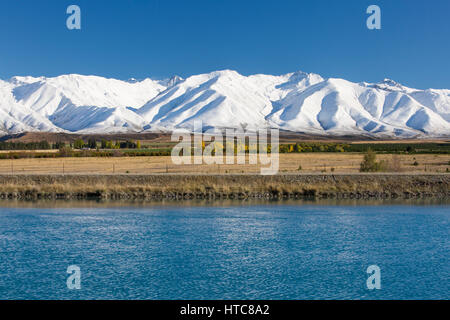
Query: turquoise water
(226, 252)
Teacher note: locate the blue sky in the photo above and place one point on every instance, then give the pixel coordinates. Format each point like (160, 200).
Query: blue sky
(160, 38)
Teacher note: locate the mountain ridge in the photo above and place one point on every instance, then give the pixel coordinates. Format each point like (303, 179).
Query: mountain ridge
(296, 102)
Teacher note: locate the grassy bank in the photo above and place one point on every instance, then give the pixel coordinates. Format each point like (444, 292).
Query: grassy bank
(225, 186)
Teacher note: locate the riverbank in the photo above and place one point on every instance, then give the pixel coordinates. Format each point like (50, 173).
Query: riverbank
(226, 186)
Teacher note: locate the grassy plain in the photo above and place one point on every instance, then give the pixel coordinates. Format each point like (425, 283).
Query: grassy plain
(289, 163)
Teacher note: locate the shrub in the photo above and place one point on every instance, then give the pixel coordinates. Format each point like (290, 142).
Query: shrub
(394, 164)
(117, 153)
(369, 163)
(65, 152)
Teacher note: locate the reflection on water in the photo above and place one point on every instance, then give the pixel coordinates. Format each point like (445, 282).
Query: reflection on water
(231, 250)
(217, 203)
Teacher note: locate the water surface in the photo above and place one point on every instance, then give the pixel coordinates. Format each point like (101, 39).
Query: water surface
(254, 251)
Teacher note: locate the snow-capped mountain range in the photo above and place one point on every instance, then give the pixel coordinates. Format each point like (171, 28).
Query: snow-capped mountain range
(298, 102)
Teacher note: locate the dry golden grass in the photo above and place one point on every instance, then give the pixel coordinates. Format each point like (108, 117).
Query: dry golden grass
(247, 185)
(289, 163)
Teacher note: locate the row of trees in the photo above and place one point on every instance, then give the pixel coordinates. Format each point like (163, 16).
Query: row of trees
(300, 147)
(106, 144)
(41, 145)
(78, 144)
(313, 147)
(400, 148)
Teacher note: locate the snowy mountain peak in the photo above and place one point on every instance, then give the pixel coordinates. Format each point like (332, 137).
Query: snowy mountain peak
(298, 75)
(23, 80)
(389, 83)
(230, 74)
(174, 80)
(298, 101)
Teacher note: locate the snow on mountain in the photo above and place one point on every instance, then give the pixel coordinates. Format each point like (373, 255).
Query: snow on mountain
(81, 103)
(218, 99)
(299, 102)
(436, 100)
(337, 106)
(16, 118)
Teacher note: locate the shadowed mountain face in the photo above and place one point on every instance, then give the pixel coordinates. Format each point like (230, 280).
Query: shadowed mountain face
(297, 102)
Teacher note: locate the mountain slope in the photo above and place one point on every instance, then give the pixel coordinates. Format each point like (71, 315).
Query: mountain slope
(74, 102)
(16, 118)
(298, 102)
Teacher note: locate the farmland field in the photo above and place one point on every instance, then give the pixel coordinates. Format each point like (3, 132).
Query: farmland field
(289, 163)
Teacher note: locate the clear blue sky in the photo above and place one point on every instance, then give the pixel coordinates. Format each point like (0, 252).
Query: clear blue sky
(160, 38)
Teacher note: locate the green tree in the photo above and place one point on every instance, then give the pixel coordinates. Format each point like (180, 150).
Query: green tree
(78, 144)
(92, 144)
(59, 145)
(44, 145)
